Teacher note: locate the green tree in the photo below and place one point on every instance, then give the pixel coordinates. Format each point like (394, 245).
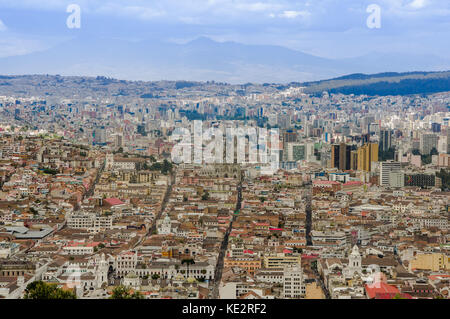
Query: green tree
(205, 195)
(155, 276)
(166, 167)
(122, 292)
(444, 175)
(42, 290)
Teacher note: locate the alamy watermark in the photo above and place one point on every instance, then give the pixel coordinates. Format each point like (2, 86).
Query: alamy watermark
(231, 145)
(374, 19)
(74, 19)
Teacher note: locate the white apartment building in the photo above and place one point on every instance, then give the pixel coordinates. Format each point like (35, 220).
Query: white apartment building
(293, 286)
(385, 170)
(89, 221)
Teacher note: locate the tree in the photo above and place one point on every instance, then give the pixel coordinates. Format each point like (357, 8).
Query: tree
(205, 195)
(166, 167)
(434, 151)
(155, 276)
(43, 290)
(444, 175)
(122, 292)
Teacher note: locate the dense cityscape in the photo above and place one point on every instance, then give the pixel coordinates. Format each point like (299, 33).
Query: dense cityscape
(94, 205)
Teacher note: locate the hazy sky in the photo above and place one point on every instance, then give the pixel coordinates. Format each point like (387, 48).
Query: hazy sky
(328, 28)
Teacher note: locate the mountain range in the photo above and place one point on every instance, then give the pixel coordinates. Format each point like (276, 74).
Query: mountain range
(204, 59)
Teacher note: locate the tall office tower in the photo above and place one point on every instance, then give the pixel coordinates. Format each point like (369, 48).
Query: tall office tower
(260, 112)
(284, 120)
(344, 156)
(354, 160)
(309, 130)
(272, 119)
(296, 152)
(289, 136)
(435, 127)
(334, 156)
(385, 140)
(340, 156)
(346, 130)
(118, 140)
(428, 141)
(365, 138)
(448, 140)
(367, 154)
(385, 170)
(100, 135)
(374, 128)
(366, 122)
(443, 144)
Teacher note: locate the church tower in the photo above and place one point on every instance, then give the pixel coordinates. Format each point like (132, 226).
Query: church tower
(101, 272)
(354, 263)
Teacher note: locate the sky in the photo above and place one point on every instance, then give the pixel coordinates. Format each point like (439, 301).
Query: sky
(326, 28)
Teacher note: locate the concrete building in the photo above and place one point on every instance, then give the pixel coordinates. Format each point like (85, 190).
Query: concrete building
(386, 168)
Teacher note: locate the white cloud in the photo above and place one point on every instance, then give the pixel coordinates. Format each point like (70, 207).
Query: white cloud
(289, 14)
(2, 26)
(418, 4)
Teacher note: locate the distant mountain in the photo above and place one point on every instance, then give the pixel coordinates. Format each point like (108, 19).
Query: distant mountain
(201, 60)
(383, 84)
(380, 84)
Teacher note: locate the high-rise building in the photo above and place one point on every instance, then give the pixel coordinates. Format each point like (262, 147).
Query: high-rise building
(344, 156)
(354, 160)
(435, 127)
(334, 156)
(289, 136)
(99, 135)
(340, 156)
(293, 286)
(385, 140)
(118, 141)
(296, 152)
(428, 141)
(385, 170)
(366, 121)
(367, 154)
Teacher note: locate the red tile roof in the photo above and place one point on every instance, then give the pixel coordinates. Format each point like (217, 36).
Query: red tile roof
(380, 288)
(113, 201)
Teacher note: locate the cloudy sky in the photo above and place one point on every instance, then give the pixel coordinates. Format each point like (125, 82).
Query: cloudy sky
(327, 28)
